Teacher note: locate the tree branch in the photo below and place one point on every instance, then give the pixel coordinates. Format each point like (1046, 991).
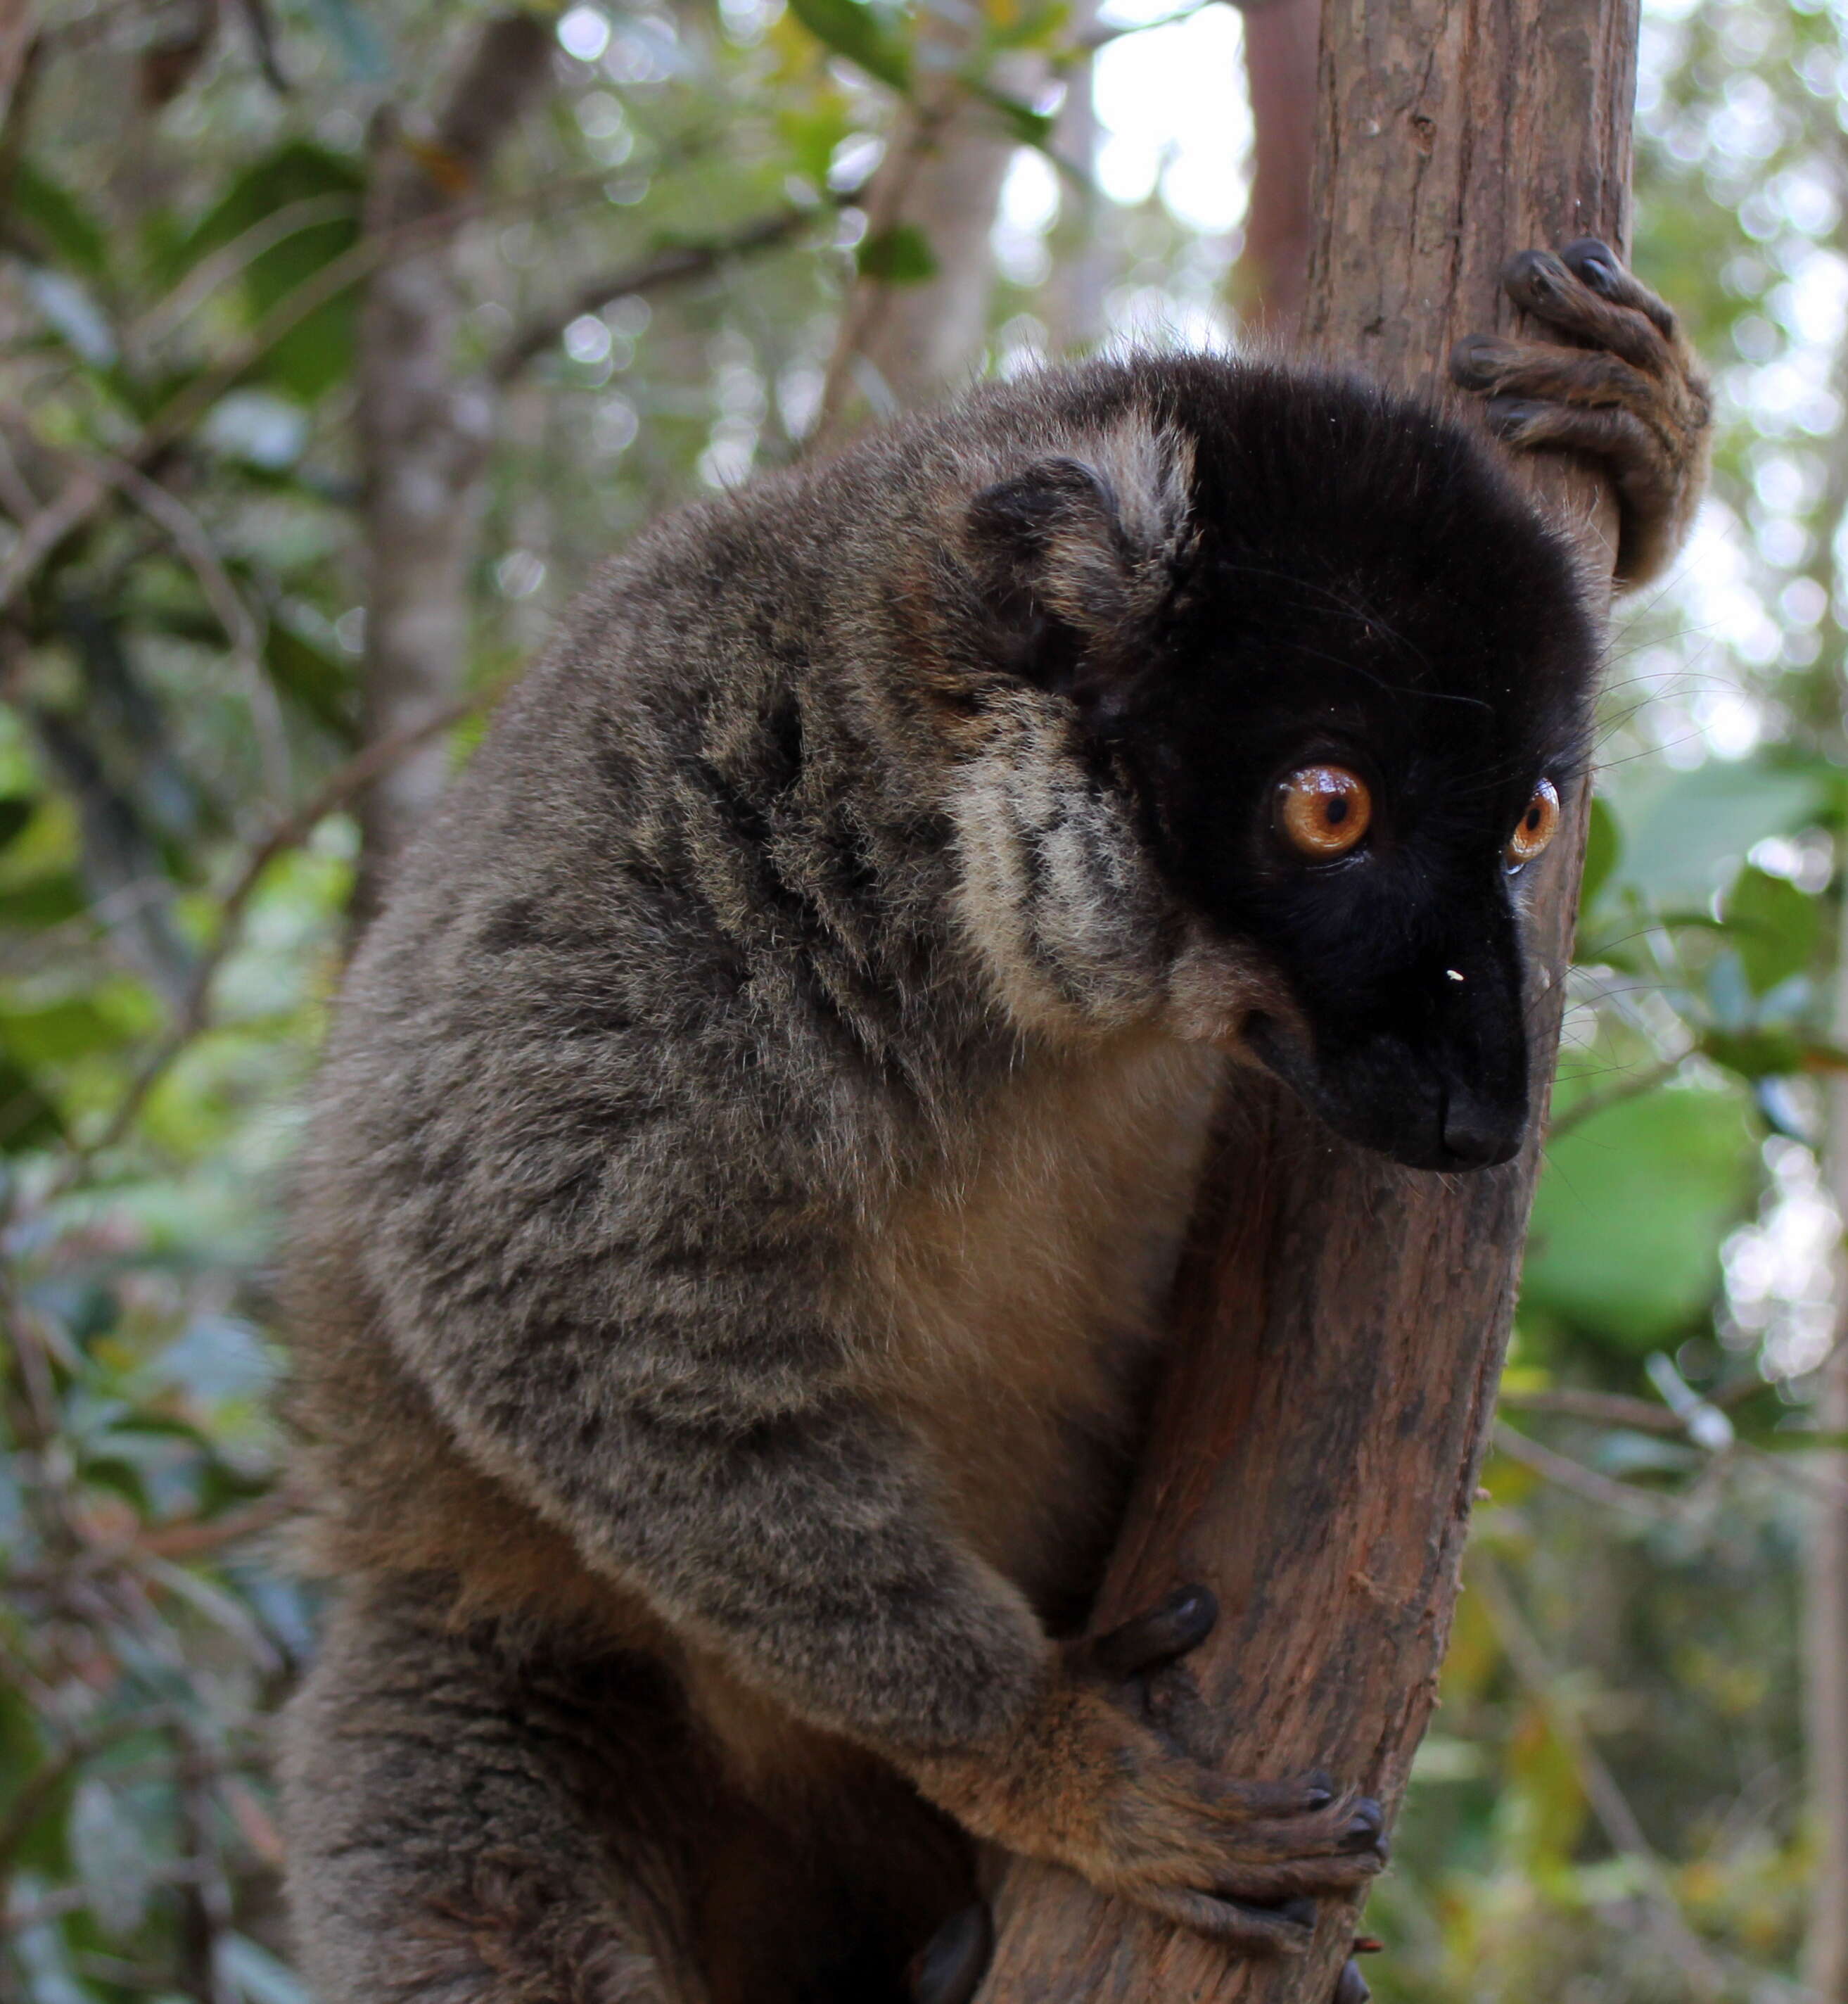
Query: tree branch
(1341, 1321)
(1582, 1481)
(1595, 1103)
(1540, 1680)
(675, 265)
(290, 833)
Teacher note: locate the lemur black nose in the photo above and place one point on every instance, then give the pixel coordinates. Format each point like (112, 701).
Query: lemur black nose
(1479, 1135)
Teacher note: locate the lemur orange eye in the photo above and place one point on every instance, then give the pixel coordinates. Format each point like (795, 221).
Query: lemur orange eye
(1535, 828)
(1323, 810)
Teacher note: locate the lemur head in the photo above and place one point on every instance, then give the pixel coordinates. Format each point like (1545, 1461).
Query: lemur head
(1335, 672)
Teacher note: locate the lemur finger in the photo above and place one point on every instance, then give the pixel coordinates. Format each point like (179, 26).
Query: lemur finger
(1644, 472)
(950, 1966)
(1249, 1930)
(1584, 377)
(1285, 1804)
(1593, 263)
(1152, 1640)
(1541, 284)
(1296, 1878)
(1358, 1830)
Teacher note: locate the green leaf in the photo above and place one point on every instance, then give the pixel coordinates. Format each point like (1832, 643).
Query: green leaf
(1631, 1210)
(44, 901)
(1680, 831)
(59, 1032)
(28, 1120)
(16, 810)
(323, 684)
(1030, 127)
(854, 30)
(318, 352)
(1771, 1053)
(812, 133)
(61, 222)
(900, 256)
(1775, 927)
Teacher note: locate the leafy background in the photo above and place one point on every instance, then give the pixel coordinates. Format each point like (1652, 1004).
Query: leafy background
(1615, 1804)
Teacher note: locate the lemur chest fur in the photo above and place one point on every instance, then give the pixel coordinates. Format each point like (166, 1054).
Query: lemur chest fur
(1010, 1303)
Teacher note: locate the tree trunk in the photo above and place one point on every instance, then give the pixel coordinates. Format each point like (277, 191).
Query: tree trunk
(1341, 1321)
(1076, 314)
(1272, 277)
(423, 434)
(900, 344)
(16, 29)
(1825, 1640)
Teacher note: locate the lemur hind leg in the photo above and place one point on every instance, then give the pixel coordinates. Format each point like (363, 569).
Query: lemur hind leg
(468, 1826)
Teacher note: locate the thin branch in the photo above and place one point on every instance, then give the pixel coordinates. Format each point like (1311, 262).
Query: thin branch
(1608, 1408)
(29, 1805)
(83, 495)
(194, 1536)
(54, 1905)
(1608, 1803)
(1595, 1103)
(16, 496)
(886, 193)
(1811, 1481)
(17, 28)
(1583, 1481)
(190, 1538)
(40, 534)
(263, 43)
(214, 272)
(290, 833)
(241, 627)
(673, 266)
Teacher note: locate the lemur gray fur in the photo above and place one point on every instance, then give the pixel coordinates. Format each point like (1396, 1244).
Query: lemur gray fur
(757, 1132)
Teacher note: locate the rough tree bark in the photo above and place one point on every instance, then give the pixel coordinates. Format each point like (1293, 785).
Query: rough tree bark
(1341, 1322)
(423, 432)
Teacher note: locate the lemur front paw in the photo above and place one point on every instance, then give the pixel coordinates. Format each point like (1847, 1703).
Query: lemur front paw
(1090, 1783)
(1628, 391)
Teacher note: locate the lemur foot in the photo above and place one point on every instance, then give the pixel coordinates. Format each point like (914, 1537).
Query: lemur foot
(1627, 390)
(1099, 1779)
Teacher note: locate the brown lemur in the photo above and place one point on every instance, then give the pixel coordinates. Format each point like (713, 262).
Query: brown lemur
(757, 1132)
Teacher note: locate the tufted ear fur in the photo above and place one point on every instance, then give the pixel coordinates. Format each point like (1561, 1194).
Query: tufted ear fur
(1077, 558)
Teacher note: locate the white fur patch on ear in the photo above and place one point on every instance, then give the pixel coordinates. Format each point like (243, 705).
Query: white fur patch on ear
(1149, 468)
(1088, 531)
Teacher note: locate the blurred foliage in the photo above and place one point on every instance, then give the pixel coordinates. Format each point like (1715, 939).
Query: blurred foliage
(1611, 1808)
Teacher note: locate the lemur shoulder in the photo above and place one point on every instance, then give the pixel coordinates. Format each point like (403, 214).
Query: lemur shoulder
(756, 1134)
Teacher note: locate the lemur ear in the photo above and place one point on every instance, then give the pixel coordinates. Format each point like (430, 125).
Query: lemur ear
(1077, 558)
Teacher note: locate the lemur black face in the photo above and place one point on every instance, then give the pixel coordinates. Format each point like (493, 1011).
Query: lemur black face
(1345, 670)
(1371, 836)
(1351, 754)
